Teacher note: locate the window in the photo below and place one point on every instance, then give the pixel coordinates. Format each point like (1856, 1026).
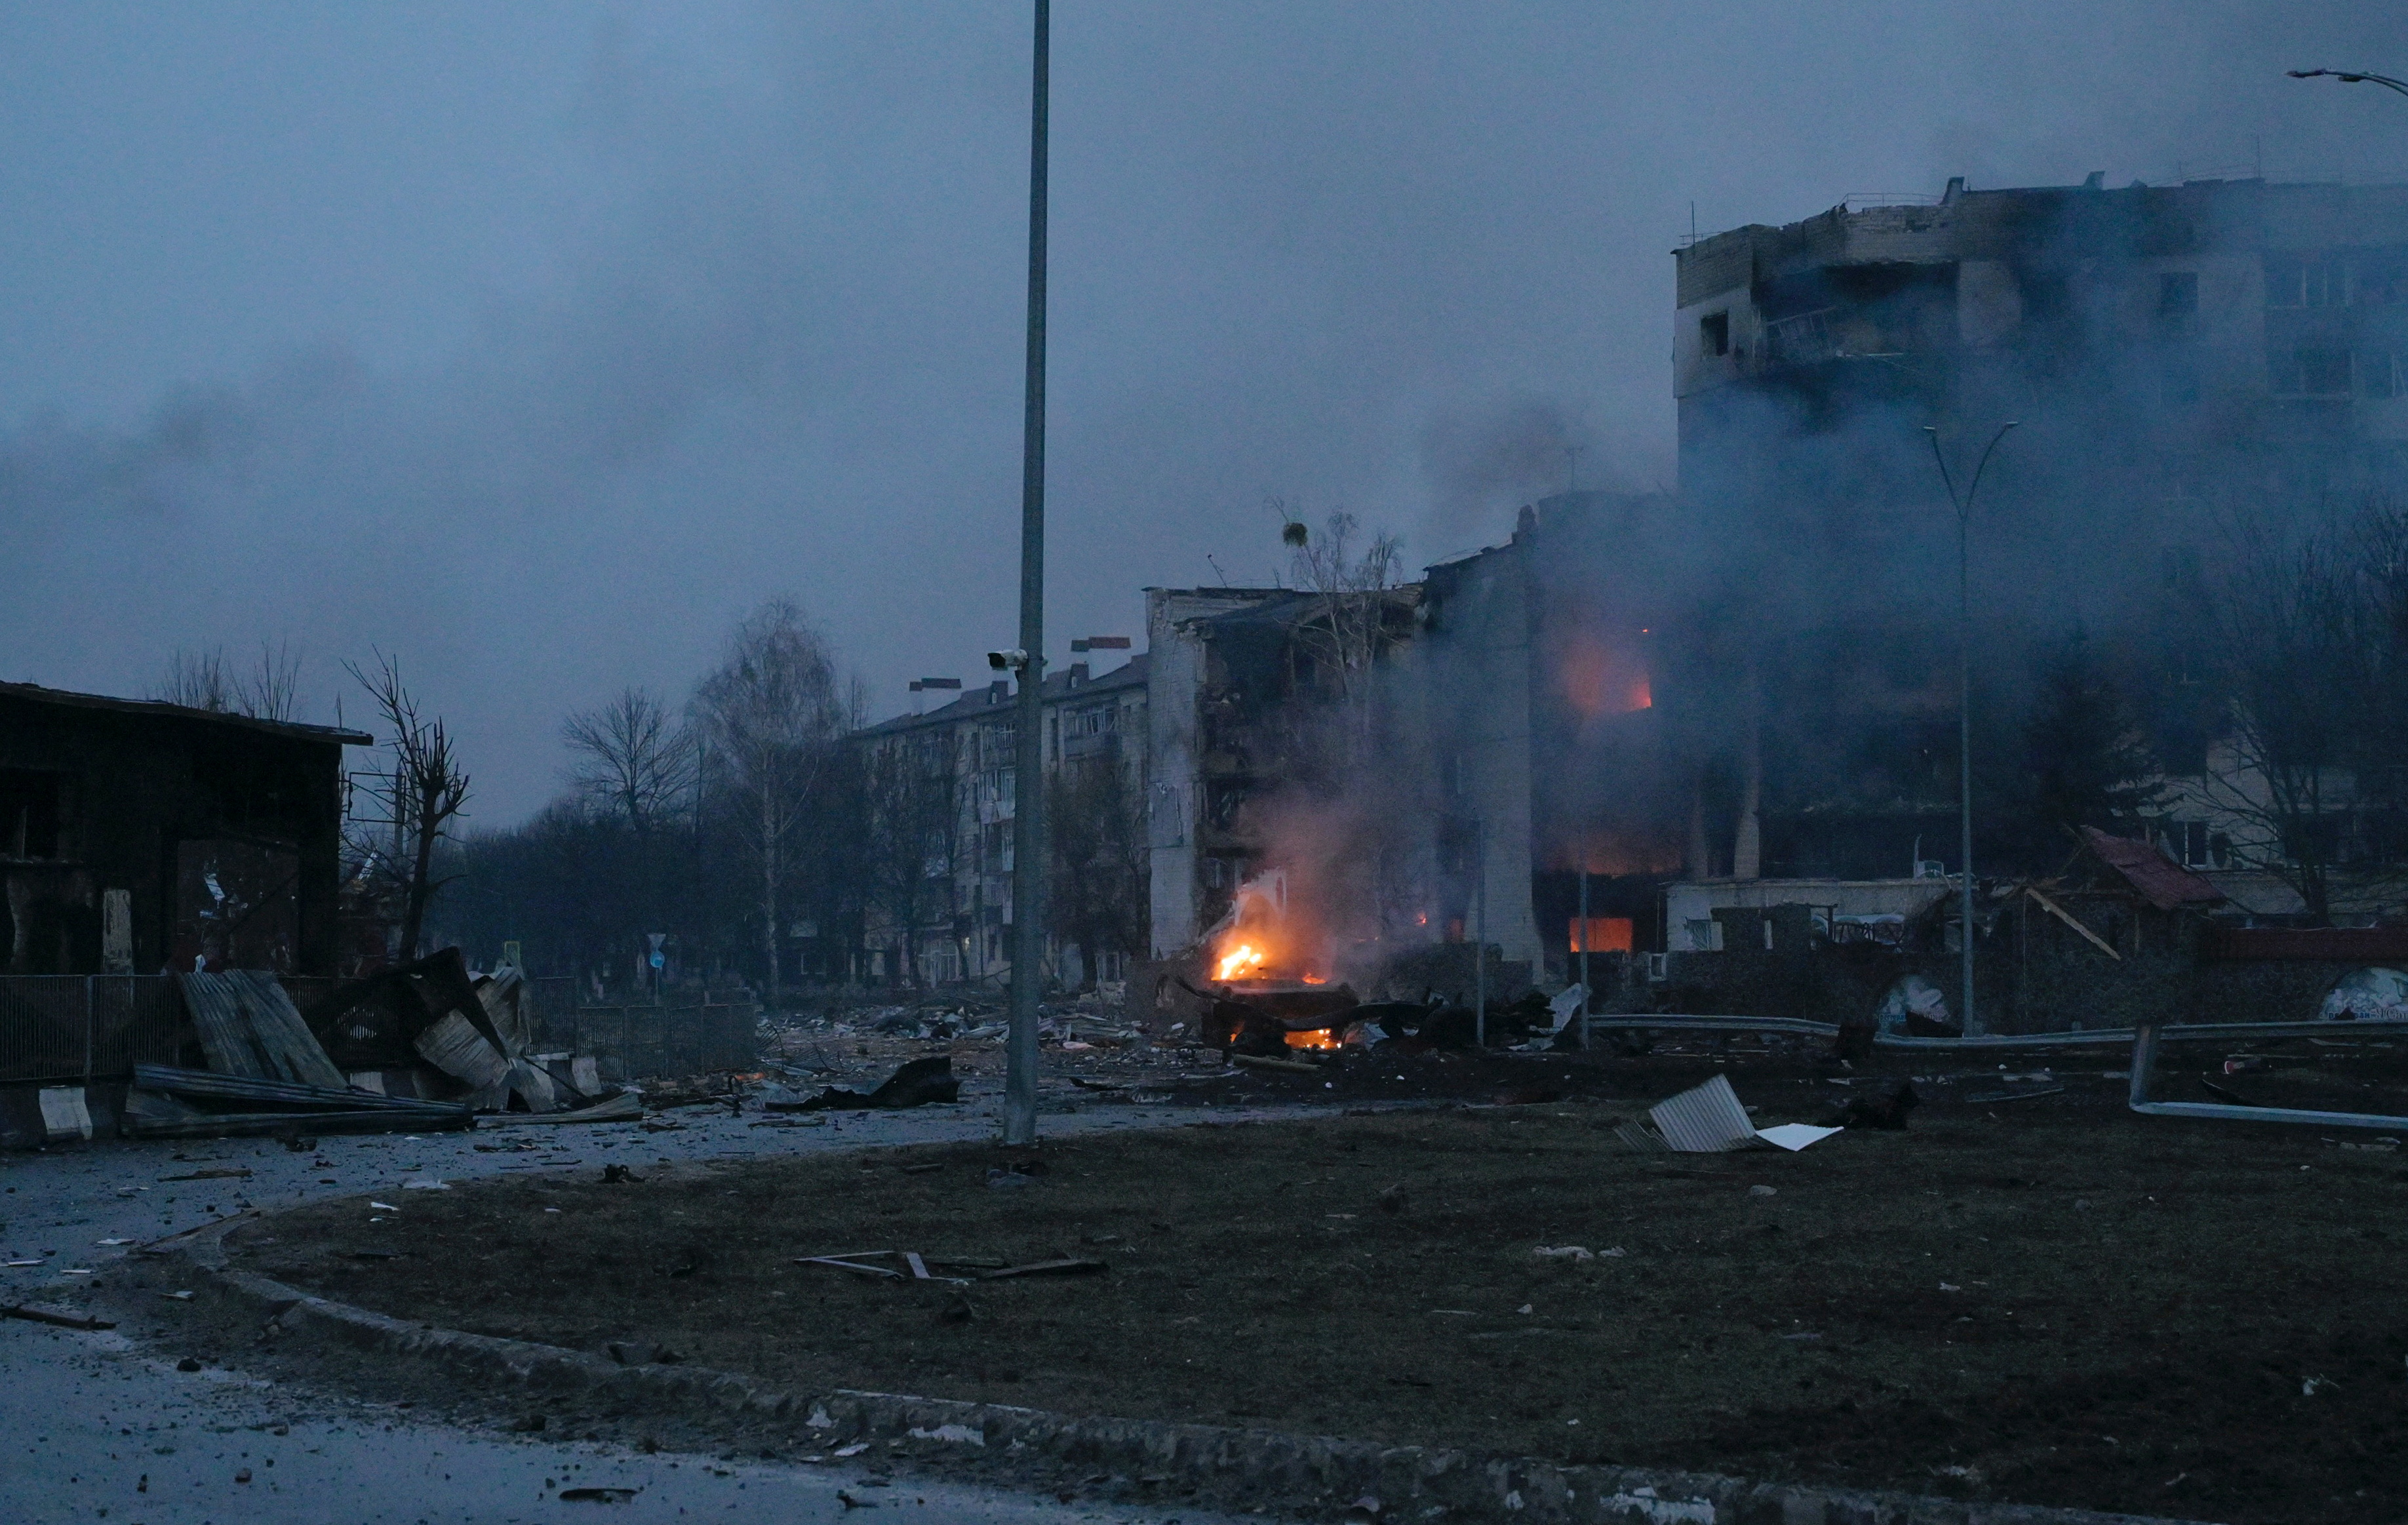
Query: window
(2177, 294)
(2302, 280)
(2308, 373)
(29, 813)
(2186, 843)
(1713, 333)
(2378, 373)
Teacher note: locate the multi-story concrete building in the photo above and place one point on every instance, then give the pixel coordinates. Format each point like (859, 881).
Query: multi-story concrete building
(944, 794)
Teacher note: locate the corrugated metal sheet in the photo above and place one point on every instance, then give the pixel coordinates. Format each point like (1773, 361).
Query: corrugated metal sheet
(1704, 1119)
(460, 1051)
(2161, 881)
(248, 1027)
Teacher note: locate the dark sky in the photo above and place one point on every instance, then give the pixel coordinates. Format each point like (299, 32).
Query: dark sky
(536, 342)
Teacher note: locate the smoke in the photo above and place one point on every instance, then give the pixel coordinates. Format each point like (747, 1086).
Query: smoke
(1479, 464)
(729, 304)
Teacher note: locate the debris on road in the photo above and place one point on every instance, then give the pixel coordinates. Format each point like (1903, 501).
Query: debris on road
(44, 1313)
(918, 1083)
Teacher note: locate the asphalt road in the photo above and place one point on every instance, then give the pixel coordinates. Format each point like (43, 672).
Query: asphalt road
(98, 1427)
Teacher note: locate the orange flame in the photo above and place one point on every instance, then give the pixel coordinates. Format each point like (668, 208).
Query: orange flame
(1242, 962)
(1315, 1038)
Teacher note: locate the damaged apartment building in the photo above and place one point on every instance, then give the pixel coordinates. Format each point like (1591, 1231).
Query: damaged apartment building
(1744, 693)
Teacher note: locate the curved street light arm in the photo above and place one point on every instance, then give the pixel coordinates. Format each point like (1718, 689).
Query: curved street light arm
(2349, 77)
(1984, 465)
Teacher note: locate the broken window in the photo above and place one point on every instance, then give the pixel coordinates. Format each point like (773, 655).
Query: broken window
(29, 813)
(2177, 294)
(1713, 333)
(238, 906)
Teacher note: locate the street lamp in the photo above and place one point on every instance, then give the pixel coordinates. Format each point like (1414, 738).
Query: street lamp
(2347, 78)
(1028, 743)
(1964, 507)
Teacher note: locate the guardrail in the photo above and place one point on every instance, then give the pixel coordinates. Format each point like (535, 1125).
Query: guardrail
(2089, 1038)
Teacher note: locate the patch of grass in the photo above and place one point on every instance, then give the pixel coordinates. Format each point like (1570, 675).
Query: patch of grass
(2077, 1307)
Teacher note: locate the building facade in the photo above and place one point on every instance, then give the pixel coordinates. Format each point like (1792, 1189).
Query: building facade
(144, 838)
(943, 794)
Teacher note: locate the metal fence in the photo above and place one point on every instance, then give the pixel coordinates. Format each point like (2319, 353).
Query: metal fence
(632, 1041)
(87, 1027)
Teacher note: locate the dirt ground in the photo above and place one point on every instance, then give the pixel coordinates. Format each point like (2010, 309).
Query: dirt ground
(2048, 1301)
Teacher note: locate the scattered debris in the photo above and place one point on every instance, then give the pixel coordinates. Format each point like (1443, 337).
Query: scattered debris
(598, 1495)
(1049, 1268)
(917, 1083)
(841, 1263)
(43, 1313)
(1984, 1098)
(1294, 1067)
(1887, 1111)
(1564, 1252)
(1709, 1119)
(643, 1353)
(620, 1176)
(241, 1172)
(626, 1107)
(167, 1103)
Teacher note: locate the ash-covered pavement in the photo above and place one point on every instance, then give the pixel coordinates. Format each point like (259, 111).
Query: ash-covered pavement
(101, 1426)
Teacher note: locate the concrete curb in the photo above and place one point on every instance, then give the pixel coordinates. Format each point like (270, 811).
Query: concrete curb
(1313, 1474)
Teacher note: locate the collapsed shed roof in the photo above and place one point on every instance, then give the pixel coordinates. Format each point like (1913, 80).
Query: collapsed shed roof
(2159, 880)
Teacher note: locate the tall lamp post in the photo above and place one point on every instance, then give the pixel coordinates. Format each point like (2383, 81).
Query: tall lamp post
(1028, 741)
(1964, 507)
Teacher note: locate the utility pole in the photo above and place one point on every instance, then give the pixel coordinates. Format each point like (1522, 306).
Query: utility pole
(1028, 739)
(1964, 507)
(1584, 950)
(1479, 936)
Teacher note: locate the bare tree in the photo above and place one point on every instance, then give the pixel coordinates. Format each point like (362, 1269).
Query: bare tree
(426, 789)
(272, 690)
(1357, 620)
(1101, 876)
(774, 711)
(204, 679)
(913, 836)
(199, 680)
(2300, 649)
(632, 760)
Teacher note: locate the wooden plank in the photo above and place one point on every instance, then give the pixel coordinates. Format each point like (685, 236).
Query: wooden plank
(2068, 918)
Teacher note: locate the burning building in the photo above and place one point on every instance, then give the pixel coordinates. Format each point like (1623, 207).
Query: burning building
(1755, 680)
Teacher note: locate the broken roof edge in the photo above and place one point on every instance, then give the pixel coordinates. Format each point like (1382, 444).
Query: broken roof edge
(2141, 864)
(69, 698)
